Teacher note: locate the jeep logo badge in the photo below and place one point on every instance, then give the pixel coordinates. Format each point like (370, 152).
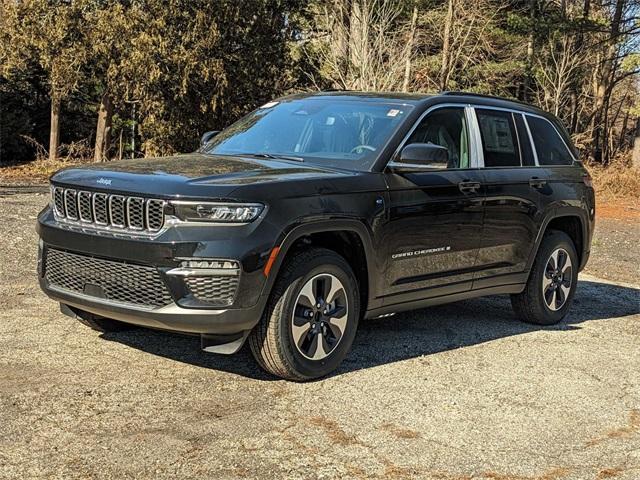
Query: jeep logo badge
(104, 181)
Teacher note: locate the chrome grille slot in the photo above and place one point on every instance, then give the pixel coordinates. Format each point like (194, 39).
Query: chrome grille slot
(215, 290)
(155, 214)
(100, 210)
(135, 213)
(58, 200)
(106, 211)
(84, 206)
(116, 210)
(107, 279)
(70, 204)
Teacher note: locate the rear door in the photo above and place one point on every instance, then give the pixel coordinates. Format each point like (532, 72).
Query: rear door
(431, 238)
(514, 202)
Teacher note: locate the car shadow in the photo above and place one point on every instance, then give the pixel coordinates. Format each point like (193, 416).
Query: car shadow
(407, 335)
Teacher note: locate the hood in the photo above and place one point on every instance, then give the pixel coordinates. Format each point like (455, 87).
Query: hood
(190, 175)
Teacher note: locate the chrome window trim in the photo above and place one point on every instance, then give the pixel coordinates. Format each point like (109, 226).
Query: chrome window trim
(533, 145)
(474, 127)
(474, 159)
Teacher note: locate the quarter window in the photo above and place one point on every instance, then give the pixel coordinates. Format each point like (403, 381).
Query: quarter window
(550, 148)
(499, 138)
(446, 127)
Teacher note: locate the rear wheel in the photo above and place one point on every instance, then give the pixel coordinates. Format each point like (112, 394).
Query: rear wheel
(311, 319)
(552, 283)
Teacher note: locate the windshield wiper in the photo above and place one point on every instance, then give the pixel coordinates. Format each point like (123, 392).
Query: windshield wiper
(274, 156)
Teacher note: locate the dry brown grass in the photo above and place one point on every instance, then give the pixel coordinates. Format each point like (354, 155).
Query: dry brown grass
(618, 181)
(40, 169)
(37, 171)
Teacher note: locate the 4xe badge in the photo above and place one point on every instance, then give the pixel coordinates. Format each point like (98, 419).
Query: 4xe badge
(104, 181)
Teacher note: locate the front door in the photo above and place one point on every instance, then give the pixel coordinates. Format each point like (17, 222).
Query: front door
(435, 217)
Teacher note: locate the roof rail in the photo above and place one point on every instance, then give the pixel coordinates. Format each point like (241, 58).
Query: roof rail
(482, 95)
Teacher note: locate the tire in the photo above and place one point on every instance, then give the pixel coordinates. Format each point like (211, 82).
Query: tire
(273, 341)
(101, 324)
(549, 292)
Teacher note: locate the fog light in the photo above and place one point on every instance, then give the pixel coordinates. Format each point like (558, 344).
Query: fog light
(226, 264)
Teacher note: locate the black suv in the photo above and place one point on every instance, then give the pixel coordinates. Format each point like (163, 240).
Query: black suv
(316, 211)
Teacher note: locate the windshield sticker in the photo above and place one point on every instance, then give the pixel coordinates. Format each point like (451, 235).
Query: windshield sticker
(330, 120)
(269, 104)
(393, 112)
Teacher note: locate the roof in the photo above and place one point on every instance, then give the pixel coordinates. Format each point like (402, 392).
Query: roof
(416, 98)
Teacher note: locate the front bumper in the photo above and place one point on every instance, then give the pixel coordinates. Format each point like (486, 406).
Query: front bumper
(183, 313)
(171, 317)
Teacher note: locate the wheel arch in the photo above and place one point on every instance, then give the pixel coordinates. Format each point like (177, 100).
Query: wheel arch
(571, 221)
(324, 233)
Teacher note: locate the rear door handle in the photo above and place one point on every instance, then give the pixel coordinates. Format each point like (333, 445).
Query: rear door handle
(469, 187)
(536, 182)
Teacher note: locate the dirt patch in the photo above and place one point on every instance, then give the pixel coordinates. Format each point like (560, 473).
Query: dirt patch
(400, 432)
(447, 392)
(618, 209)
(632, 428)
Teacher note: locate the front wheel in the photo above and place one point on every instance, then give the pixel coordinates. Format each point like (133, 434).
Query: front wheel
(311, 318)
(552, 282)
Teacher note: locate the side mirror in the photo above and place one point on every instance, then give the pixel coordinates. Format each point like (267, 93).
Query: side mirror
(207, 136)
(421, 156)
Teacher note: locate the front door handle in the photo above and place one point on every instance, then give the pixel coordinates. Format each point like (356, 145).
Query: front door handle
(469, 187)
(536, 182)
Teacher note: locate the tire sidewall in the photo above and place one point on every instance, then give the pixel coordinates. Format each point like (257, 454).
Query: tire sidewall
(325, 264)
(551, 243)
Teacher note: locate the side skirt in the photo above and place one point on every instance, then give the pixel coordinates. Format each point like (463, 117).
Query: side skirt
(455, 297)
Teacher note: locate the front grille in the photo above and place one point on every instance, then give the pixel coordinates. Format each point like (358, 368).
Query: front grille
(216, 290)
(104, 210)
(112, 280)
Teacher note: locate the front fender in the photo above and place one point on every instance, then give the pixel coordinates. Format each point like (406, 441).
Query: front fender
(308, 227)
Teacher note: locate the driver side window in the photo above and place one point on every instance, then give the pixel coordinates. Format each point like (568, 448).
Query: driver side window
(446, 127)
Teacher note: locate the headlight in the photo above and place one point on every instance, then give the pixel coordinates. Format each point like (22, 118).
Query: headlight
(217, 212)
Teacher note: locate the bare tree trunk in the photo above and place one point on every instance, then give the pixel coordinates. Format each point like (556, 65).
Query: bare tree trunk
(103, 128)
(635, 159)
(120, 145)
(341, 33)
(411, 41)
(54, 132)
(526, 87)
(574, 126)
(446, 47)
(603, 88)
(357, 39)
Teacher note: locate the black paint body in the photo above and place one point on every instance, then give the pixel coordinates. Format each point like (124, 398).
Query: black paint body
(489, 236)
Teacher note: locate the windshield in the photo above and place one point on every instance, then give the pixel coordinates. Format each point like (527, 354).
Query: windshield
(334, 132)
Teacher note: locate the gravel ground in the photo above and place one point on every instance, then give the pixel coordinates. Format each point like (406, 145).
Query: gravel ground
(461, 391)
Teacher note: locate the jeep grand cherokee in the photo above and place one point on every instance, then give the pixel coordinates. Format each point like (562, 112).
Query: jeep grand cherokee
(317, 211)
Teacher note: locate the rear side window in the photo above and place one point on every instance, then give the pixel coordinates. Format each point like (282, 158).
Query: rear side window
(550, 148)
(499, 138)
